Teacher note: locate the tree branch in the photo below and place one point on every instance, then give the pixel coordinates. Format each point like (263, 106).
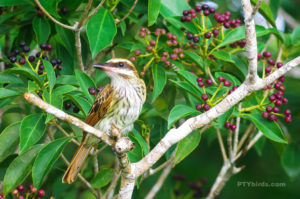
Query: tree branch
(251, 43)
(128, 13)
(78, 49)
(223, 151)
(52, 18)
(94, 11)
(255, 9)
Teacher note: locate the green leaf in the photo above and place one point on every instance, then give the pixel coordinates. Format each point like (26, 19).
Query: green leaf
(190, 78)
(137, 153)
(6, 93)
(195, 58)
(14, 2)
(178, 112)
(170, 8)
(55, 100)
(269, 128)
(186, 146)
(265, 10)
(63, 89)
(50, 6)
(141, 141)
(274, 6)
(290, 160)
(225, 117)
(102, 178)
(66, 38)
(46, 159)
(296, 35)
(189, 88)
(160, 80)
(229, 77)
(42, 29)
(223, 55)
(67, 80)
(9, 139)
(50, 74)
(31, 130)
(85, 82)
(153, 11)
(100, 29)
(27, 73)
(81, 103)
(9, 78)
(19, 169)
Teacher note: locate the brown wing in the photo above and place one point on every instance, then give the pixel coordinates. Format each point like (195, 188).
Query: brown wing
(100, 106)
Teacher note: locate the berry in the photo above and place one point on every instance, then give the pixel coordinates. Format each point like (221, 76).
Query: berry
(200, 84)
(163, 58)
(272, 98)
(67, 105)
(181, 55)
(149, 48)
(227, 83)
(40, 13)
(132, 58)
(166, 54)
(137, 52)
(41, 67)
(179, 177)
(227, 125)
(173, 56)
(206, 12)
(26, 49)
(21, 197)
(193, 15)
(233, 127)
(282, 79)
(284, 100)
(13, 59)
(275, 109)
(152, 42)
(199, 79)
(272, 117)
(143, 29)
(92, 90)
(182, 18)
(143, 73)
(288, 119)
(268, 69)
(185, 12)
(189, 36)
(40, 72)
(167, 63)
(53, 62)
(215, 32)
(191, 11)
(41, 192)
(269, 109)
(59, 67)
(31, 58)
(169, 35)
(258, 56)
(59, 61)
(278, 103)
(22, 61)
(227, 13)
(212, 10)
(22, 44)
(209, 81)
(142, 34)
(204, 7)
(76, 109)
(206, 107)
(198, 8)
(21, 188)
(287, 112)
(196, 39)
(227, 25)
(49, 47)
(271, 62)
(279, 64)
(43, 46)
(267, 54)
(15, 192)
(199, 107)
(16, 51)
(45, 57)
(221, 79)
(64, 10)
(33, 189)
(207, 35)
(265, 114)
(204, 97)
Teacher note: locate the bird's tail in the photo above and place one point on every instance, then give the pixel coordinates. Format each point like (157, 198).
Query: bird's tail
(76, 163)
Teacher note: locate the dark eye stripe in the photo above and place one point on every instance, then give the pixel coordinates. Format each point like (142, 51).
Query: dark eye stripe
(121, 64)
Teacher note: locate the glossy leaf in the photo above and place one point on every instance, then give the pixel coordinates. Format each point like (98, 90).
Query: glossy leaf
(225, 117)
(9, 78)
(137, 153)
(153, 11)
(160, 80)
(102, 178)
(100, 29)
(50, 6)
(19, 169)
(222, 55)
(46, 159)
(14, 2)
(27, 73)
(189, 88)
(31, 130)
(41, 28)
(55, 100)
(195, 58)
(141, 141)
(63, 89)
(186, 146)
(67, 80)
(170, 8)
(290, 160)
(6, 93)
(81, 103)
(178, 112)
(265, 10)
(9, 139)
(85, 82)
(190, 78)
(66, 38)
(269, 128)
(50, 74)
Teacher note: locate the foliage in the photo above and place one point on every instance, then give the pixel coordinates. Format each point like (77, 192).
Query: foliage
(189, 60)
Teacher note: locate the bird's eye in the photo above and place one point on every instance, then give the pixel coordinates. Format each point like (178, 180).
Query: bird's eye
(121, 64)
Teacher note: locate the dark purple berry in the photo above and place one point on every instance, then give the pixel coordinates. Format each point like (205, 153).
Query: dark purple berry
(269, 109)
(198, 8)
(22, 44)
(206, 107)
(26, 49)
(59, 67)
(13, 59)
(22, 61)
(279, 64)
(92, 90)
(196, 39)
(67, 105)
(76, 109)
(43, 46)
(49, 47)
(205, 7)
(40, 72)
(271, 62)
(267, 54)
(206, 12)
(207, 35)
(64, 10)
(233, 127)
(215, 32)
(227, 125)
(53, 62)
(199, 107)
(272, 117)
(204, 97)
(189, 36)
(59, 61)
(31, 58)
(16, 51)
(185, 12)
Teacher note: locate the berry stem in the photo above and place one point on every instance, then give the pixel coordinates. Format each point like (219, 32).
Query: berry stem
(215, 93)
(148, 63)
(38, 62)
(264, 73)
(26, 58)
(248, 109)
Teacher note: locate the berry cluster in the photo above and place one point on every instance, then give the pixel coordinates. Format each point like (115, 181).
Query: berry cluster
(92, 90)
(21, 192)
(39, 11)
(68, 105)
(230, 126)
(211, 101)
(275, 90)
(196, 187)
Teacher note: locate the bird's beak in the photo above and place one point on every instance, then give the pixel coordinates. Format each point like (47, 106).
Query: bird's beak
(103, 67)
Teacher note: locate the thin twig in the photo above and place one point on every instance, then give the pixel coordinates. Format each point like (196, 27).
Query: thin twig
(94, 12)
(128, 13)
(223, 151)
(78, 49)
(65, 133)
(255, 9)
(229, 144)
(236, 132)
(52, 18)
(244, 137)
(160, 167)
(85, 13)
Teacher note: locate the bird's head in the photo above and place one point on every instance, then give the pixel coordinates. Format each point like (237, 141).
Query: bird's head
(119, 68)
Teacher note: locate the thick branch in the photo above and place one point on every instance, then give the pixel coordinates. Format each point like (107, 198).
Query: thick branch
(251, 43)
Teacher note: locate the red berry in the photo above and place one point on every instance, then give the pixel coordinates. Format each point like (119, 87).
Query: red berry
(221, 79)
(271, 62)
(267, 54)
(196, 39)
(22, 61)
(163, 58)
(269, 109)
(215, 32)
(268, 69)
(15, 192)
(199, 107)
(206, 12)
(206, 107)
(272, 98)
(132, 58)
(287, 112)
(199, 79)
(149, 48)
(227, 125)
(282, 79)
(278, 103)
(143, 29)
(209, 81)
(185, 12)
(200, 84)
(279, 64)
(142, 34)
(189, 36)
(152, 42)
(227, 83)
(204, 97)
(49, 47)
(284, 100)
(233, 127)
(288, 119)
(21, 188)
(207, 35)
(275, 109)
(265, 114)
(198, 8)
(173, 56)
(33, 189)
(92, 90)
(168, 63)
(41, 192)
(137, 52)
(272, 117)
(258, 55)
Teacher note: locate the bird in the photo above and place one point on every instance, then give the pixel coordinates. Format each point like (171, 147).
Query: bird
(117, 105)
